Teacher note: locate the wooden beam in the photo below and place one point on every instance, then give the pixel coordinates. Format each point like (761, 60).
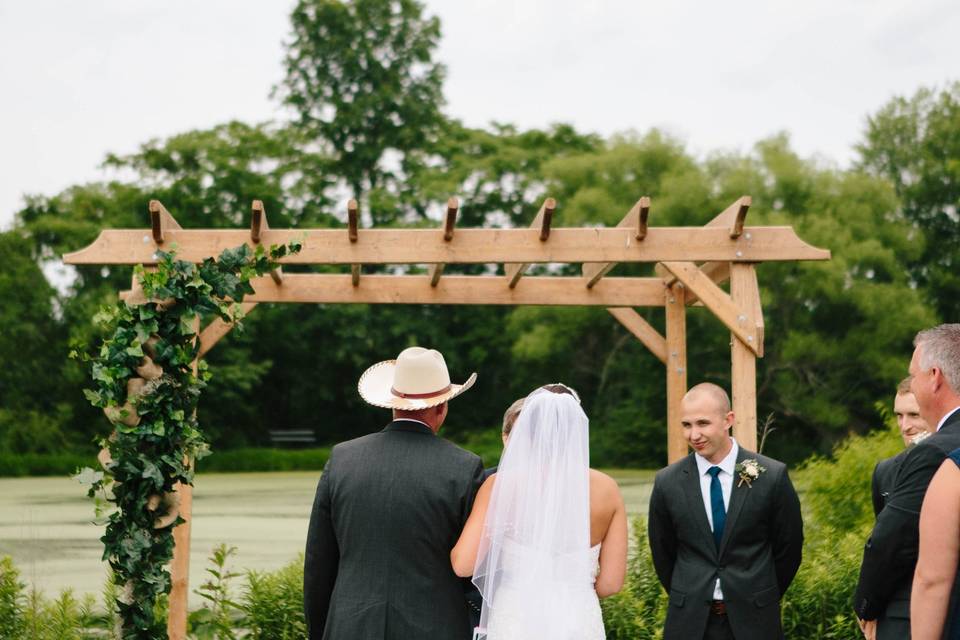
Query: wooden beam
(676, 312)
(643, 330)
(716, 299)
(353, 222)
(450, 221)
(160, 221)
(217, 329)
(746, 293)
(719, 272)
(514, 271)
(636, 218)
(468, 246)
(389, 289)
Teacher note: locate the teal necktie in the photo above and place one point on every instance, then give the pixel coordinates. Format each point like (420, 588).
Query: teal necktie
(716, 505)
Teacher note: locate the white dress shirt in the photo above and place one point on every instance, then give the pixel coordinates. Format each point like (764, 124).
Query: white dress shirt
(727, 467)
(946, 417)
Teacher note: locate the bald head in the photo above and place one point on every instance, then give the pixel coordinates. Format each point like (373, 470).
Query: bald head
(709, 391)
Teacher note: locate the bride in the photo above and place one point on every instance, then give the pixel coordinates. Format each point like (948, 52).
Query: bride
(540, 528)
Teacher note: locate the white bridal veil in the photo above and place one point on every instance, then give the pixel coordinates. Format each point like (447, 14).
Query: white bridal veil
(534, 559)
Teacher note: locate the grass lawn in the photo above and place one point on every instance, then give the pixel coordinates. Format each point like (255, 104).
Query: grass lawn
(46, 524)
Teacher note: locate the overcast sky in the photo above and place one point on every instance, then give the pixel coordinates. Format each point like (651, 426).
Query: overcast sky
(80, 79)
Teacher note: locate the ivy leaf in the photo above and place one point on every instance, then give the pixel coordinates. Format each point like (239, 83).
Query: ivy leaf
(151, 472)
(93, 397)
(88, 476)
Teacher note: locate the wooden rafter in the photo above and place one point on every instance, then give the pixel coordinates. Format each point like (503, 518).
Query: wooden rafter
(515, 270)
(636, 219)
(160, 221)
(353, 223)
(449, 223)
(258, 223)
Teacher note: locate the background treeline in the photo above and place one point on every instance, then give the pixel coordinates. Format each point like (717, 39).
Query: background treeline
(364, 92)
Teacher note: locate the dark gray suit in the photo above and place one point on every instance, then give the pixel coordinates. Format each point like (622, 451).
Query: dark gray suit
(890, 555)
(388, 510)
(894, 622)
(757, 559)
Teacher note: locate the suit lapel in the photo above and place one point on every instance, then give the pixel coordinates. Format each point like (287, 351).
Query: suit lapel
(738, 496)
(694, 496)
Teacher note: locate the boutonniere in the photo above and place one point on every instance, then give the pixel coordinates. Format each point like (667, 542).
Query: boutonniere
(748, 471)
(920, 437)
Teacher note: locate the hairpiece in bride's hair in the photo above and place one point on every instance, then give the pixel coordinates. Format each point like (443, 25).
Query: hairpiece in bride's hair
(560, 388)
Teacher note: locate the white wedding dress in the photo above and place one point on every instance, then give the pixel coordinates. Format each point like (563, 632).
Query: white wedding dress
(576, 605)
(535, 567)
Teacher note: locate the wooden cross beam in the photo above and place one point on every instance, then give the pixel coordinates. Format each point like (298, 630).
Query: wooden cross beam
(450, 221)
(514, 271)
(468, 246)
(331, 288)
(636, 219)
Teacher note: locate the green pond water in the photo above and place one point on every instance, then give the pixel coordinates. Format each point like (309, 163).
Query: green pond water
(46, 524)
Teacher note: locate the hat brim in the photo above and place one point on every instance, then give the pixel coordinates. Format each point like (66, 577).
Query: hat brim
(376, 383)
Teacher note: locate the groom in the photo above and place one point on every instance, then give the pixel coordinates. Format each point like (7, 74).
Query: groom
(725, 530)
(388, 509)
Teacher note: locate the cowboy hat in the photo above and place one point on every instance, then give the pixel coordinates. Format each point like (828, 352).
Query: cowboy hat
(417, 379)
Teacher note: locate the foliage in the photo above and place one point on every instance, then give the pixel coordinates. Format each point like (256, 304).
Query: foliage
(273, 603)
(914, 142)
(361, 77)
(157, 436)
(11, 601)
(216, 620)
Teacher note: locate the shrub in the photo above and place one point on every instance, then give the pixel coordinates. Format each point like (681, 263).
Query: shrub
(11, 601)
(273, 603)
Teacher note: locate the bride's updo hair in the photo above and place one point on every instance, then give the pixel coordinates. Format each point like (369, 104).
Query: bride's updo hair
(560, 388)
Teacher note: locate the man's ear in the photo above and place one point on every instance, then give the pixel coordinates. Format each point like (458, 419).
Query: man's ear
(938, 380)
(728, 421)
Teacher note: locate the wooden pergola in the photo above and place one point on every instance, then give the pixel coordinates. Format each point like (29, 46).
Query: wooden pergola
(691, 265)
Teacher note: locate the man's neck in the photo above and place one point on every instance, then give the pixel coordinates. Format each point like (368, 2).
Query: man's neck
(418, 421)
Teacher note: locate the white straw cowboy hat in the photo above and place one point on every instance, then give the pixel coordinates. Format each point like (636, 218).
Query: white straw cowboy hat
(417, 379)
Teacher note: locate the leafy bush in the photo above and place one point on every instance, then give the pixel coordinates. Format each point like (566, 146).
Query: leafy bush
(11, 601)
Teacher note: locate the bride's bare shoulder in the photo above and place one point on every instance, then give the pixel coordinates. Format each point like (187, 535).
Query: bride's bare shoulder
(603, 484)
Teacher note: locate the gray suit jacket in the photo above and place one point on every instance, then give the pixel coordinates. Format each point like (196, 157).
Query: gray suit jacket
(389, 508)
(758, 556)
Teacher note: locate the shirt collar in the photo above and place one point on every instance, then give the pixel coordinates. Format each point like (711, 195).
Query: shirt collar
(726, 465)
(944, 419)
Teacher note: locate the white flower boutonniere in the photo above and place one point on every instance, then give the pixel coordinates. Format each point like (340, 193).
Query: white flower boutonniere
(920, 437)
(748, 471)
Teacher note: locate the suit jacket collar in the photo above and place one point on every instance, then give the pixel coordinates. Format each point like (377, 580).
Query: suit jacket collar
(694, 497)
(951, 418)
(410, 426)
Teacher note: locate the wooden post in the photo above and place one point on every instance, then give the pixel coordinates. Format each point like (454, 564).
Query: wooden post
(180, 565)
(746, 295)
(676, 311)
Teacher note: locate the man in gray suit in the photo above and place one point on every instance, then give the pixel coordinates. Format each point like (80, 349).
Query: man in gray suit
(388, 509)
(725, 530)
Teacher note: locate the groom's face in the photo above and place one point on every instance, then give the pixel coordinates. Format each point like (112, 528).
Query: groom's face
(706, 427)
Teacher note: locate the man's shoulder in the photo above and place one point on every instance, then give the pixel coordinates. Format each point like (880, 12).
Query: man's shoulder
(770, 464)
(675, 469)
(458, 451)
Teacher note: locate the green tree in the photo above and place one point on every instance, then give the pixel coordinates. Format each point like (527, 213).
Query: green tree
(915, 143)
(362, 79)
(32, 353)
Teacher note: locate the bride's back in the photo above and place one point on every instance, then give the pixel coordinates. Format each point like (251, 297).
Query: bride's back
(604, 501)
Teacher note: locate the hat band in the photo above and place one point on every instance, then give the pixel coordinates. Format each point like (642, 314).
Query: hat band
(432, 394)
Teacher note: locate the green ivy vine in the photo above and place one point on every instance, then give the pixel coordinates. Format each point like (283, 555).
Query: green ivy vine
(146, 384)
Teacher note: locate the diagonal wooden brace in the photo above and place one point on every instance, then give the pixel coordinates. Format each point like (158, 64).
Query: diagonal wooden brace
(217, 329)
(643, 330)
(739, 320)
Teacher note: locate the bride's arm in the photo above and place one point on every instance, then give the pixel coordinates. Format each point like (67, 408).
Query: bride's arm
(463, 557)
(613, 551)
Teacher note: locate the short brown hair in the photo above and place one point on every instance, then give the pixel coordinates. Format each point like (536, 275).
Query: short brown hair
(904, 387)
